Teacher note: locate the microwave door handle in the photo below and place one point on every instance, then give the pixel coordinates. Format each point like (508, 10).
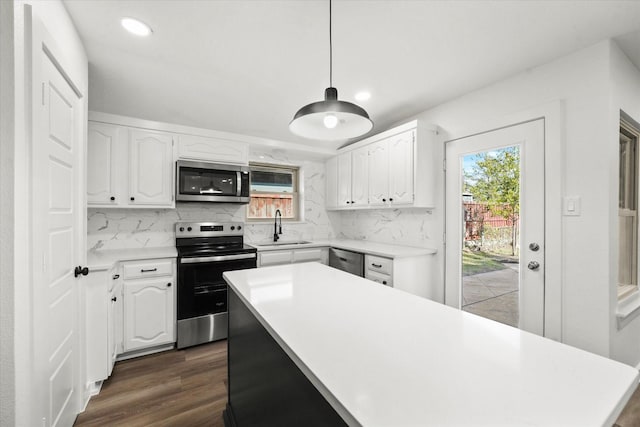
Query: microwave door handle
(238, 183)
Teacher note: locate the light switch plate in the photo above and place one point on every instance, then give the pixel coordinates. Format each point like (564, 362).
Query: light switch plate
(572, 206)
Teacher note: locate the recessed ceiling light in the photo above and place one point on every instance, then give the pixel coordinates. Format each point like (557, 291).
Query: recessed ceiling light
(362, 96)
(136, 27)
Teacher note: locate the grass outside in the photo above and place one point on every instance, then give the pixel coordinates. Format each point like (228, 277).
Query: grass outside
(475, 262)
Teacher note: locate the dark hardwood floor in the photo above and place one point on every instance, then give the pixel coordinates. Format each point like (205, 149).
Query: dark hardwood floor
(174, 388)
(188, 388)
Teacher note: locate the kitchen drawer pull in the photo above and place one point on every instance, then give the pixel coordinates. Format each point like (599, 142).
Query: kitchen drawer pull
(376, 265)
(148, 270)
(116, 276)
(342, 259)
(219, 304)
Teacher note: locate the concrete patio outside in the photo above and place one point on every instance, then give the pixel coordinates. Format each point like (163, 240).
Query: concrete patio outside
(493, 295)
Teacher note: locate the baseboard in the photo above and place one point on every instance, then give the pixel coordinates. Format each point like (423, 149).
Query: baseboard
(638, 366)
(145, 352)
(91, 390)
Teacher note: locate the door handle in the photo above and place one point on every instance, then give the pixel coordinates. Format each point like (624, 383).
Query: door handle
(534, 247)
(80, 270)
(533, 265)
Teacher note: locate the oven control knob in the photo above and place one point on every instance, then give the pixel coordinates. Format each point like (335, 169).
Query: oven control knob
(181, 228)
(233, 227)
(189, 228)
(239, 227)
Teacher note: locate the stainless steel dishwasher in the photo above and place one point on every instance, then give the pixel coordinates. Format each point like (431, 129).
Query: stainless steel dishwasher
(351, 262)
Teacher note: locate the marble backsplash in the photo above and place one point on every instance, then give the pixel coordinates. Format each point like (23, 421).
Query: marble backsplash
(409, 227)
(109, 228)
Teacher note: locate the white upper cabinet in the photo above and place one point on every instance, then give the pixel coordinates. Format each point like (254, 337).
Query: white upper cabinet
(344, 180)
(359, 175)
(101, 158)
(215, 150)
(129, 167)
(351, 178)
(150, 168)
(331, 182)
(397, 168)
(379, 177)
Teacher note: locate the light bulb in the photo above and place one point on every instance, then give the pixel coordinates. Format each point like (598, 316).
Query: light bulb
(330, 121)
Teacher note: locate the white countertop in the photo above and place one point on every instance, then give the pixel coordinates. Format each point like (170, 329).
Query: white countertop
(383, 357)
(104, 260)
(363, 246)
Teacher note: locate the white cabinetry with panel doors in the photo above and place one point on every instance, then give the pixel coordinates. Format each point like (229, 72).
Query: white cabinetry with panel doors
(149, 303)
(129, 167)
(396, 168)
(292, 256)
(215, 150)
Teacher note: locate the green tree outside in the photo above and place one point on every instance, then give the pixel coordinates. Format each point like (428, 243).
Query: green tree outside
(494, 179)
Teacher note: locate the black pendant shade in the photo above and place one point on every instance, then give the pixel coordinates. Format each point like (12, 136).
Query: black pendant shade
(331, 119)
(350, 120)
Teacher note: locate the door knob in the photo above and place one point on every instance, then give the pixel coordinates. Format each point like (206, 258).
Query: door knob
(533, 265)
(80, 270)
(534, 247)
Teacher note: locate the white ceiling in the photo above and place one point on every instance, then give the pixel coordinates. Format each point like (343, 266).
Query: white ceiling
(246, 66)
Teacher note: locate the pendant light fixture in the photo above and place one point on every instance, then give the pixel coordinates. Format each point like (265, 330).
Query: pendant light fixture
(331, 119)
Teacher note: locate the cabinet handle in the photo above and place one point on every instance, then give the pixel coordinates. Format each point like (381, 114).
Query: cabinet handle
(384, 282)
(116, 276)
(348, 202)
(79, 270)
(390, 199)
(384, 200)
(376, 265)
(219, 304)
(168, 285)
(114, 299)
(112, 198)
(148, 271)
(133, 198)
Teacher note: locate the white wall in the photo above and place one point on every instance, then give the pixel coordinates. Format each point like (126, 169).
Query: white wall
(581, 80)
(625, 95)
(57, 22)
(137, 228)
(7, 366)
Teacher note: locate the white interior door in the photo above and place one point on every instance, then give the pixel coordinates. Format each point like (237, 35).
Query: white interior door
(528, 140)
(57, 153)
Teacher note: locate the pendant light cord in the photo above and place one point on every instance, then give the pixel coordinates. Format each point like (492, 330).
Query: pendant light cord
(330, 50)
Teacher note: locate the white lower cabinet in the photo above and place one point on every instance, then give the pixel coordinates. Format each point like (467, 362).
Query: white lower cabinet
(378, 269)
(149, 305)
(114, 321)
(291, 256)
(103, 322)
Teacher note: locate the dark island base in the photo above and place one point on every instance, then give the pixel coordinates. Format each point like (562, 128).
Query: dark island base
(266, 388)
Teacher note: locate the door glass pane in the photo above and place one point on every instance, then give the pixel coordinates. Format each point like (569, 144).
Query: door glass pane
(491, 252)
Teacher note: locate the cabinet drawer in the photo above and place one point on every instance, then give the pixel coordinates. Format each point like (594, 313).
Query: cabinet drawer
(384, 279)
(274, 258)
(378, 264)
(139, 270)
(307, 255)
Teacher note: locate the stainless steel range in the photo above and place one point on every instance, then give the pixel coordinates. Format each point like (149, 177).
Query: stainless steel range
(205, 251)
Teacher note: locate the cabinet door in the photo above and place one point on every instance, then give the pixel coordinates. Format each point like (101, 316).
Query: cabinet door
(344, 180)
(148, 313)
(102, 145)
(401, 168)
(379, 176)
(213, 150)
(331, 180)
(360, 177)
(274, 258)
(116, 314)
(150, 168)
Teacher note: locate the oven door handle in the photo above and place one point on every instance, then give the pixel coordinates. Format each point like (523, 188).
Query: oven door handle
(216, 258)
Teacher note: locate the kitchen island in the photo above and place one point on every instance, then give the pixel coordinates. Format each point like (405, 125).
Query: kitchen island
(312, 345)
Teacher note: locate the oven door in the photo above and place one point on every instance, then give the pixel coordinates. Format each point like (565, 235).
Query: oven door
(201, 288)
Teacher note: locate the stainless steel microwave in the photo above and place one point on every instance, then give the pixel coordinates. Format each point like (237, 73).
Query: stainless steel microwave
(212, 182)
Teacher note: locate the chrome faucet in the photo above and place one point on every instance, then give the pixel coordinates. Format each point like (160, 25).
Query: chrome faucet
(277, 230)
